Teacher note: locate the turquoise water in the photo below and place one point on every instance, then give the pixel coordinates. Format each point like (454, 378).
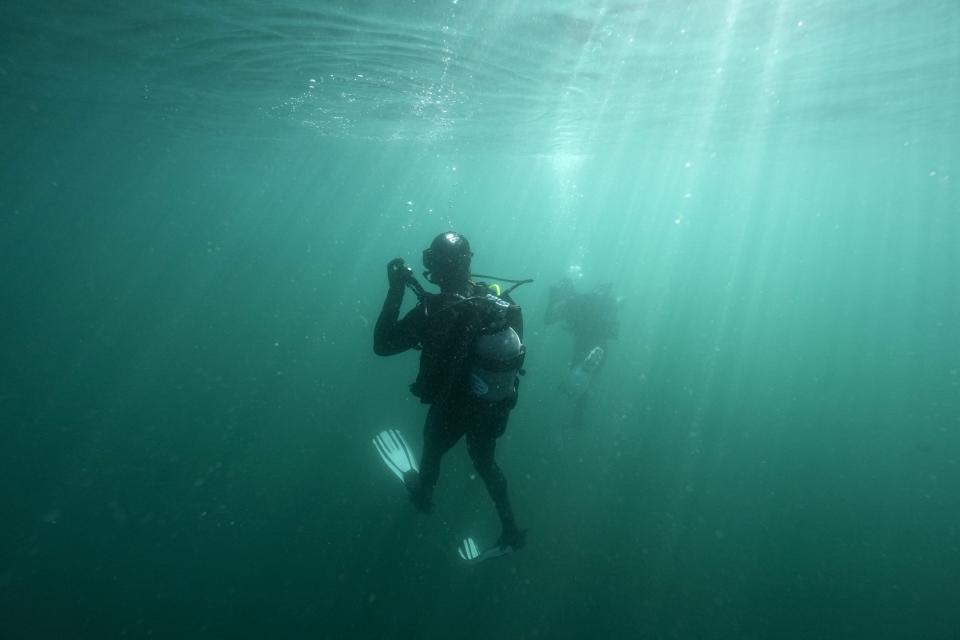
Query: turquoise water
(197, 204)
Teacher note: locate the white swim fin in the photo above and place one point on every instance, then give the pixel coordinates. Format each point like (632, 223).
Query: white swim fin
(581, 375)
(470, 552)
(396, 453)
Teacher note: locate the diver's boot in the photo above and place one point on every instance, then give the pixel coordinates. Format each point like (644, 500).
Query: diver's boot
(420, 496)
(512, 537)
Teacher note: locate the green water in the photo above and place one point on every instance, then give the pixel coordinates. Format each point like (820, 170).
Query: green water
(197, 203)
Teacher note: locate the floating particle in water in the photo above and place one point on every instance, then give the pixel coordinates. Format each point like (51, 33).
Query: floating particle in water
(52, 516)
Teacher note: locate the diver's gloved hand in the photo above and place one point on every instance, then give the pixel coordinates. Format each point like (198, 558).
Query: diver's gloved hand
(398, 273)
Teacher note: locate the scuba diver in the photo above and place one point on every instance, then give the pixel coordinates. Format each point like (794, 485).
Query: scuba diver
(471, 353)
(591, 318)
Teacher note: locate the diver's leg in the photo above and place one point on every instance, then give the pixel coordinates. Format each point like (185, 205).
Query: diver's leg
(440, 432)
(482, 433)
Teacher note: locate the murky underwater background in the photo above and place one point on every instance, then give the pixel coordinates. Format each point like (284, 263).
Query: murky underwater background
(197, 203)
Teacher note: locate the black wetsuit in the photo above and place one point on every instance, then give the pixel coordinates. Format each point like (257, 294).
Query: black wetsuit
(444, 327)
(591, 319)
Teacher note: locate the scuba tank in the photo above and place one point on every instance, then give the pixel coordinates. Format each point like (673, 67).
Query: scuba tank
(498, 352)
